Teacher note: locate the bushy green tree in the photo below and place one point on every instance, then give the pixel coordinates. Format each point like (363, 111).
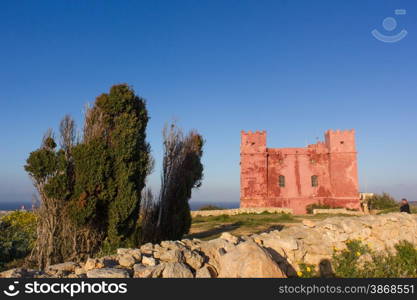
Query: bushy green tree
(116, 128)
(91, 189)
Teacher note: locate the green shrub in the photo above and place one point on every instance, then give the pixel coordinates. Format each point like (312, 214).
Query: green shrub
(388, 210)
(307, 271)
(210, 207)
(345, 262)
(384, 201)
(220, 219)
(18, 234)
(413, 210)
(314, 206)
(359, 261)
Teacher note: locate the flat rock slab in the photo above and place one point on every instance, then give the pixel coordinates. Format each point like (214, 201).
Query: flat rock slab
(67, 266)
(108, 273)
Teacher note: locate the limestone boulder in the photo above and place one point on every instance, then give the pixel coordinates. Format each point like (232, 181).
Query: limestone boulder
(142, 271)
(282, 245)
(229, 237)
(92, 263)
(146, 248)
(174, 255)
(206, 271)
(135, 253)
(122, 251)
(309, 223)
(126, 260)
(176, 270)
(248, 260)
(193, 259)
(214, 249)
(79, 271)
(173, 245)
(149, 261)
(13, 273)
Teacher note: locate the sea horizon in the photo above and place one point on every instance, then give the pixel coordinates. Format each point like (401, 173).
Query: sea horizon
(194, 205)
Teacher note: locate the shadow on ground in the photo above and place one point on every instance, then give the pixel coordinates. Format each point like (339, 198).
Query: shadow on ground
(278, 227)
(214, 231)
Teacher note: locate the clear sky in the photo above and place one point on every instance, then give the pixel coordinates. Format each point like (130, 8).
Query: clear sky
(294, 68)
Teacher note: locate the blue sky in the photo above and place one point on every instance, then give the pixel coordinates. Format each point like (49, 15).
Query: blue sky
(293, 68)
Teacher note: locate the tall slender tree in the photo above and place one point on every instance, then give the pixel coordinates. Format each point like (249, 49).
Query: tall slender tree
(169, 218)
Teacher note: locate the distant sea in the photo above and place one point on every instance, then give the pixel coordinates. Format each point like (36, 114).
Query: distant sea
(197, 205)
(15, 205)
(193, 205)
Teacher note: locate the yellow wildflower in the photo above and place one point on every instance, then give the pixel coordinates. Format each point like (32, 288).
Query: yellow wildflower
(358, 253)
(308, 269)
(299, 273)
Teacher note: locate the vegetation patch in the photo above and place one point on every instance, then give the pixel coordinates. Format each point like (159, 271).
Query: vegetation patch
(210, 207)
(384, 201)
(311, 207)
(18, 235)
(91, 183)
(359, 261)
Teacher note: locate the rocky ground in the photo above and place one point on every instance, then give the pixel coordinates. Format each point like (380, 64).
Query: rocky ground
(273, 254)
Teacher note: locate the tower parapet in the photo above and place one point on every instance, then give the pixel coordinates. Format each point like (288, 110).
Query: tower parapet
(340, 140)
(253, 142)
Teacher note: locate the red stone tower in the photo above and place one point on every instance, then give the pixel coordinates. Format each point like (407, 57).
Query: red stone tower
(325, 172)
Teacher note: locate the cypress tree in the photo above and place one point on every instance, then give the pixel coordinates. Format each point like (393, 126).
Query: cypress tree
(123, 118)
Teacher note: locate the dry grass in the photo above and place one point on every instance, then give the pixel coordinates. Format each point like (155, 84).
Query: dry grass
(207, 228)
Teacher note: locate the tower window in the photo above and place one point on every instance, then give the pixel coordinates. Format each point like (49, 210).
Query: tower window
(281, 181)
(342, 142)
(314, 181)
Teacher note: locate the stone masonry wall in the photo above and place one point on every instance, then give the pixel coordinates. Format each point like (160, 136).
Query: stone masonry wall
(273, 254)
(237, 211)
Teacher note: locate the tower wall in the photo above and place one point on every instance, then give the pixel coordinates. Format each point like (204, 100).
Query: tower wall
(253, 169)
(343, 167)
